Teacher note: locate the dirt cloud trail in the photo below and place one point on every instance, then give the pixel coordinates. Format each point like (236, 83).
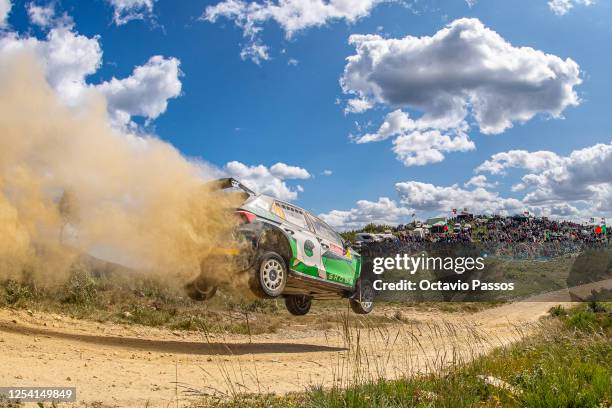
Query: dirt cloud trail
(70, 183)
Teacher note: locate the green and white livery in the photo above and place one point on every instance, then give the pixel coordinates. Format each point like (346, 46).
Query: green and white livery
(295, 255)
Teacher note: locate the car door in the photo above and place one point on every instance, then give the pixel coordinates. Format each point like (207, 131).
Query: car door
(306, 249)
(339, 264)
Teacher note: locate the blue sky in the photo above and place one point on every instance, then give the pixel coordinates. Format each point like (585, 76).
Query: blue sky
(290, 107)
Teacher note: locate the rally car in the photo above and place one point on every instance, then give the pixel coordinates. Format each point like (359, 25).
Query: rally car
(291, 254)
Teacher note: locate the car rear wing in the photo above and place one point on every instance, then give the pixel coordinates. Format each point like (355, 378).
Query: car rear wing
(226, 183)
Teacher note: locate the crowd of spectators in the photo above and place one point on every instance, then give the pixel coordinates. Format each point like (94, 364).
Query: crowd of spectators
(512, 237)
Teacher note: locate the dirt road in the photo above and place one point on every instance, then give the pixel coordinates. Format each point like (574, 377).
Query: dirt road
(140, 366)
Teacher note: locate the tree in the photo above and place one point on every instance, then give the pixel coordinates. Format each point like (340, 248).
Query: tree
(376, 228)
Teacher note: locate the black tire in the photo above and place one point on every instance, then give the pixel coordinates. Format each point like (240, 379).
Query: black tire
(298, 305)
(255, 287)
(200, 289)
(272, 274)
(363, 301)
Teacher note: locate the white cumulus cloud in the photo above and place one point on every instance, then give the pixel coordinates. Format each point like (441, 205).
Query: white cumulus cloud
(357, 105)
(419, 142)
(429, 197)
(5, 9)
(587, 170)
(269, 181)
(69, 58)
(561, 210)
(584, 175)
(465, 72)
(562, 7)
(144, 93)
(420, 148)
(532, 161)
(125, 11)
(395, 124)
(463, 67)
(41, 16)
(291, 15)
(284, 171)
(478, 181)
(255, 52)
(560, 184)
(383, 211)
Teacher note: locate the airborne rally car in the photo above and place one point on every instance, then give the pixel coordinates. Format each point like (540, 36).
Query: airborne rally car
(292, 254)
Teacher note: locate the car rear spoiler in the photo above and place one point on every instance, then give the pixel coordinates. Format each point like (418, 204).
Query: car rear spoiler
(228, 182)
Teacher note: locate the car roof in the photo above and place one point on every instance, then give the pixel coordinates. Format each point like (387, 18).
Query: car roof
(284, 203)
(299, 208)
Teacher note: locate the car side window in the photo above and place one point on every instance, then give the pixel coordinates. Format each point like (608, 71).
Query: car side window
(293, 215)
(325, 231)
(262, 202)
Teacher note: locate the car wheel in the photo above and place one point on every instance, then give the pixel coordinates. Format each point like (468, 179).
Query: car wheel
(200, 289)
(255, 287)
(298, 305)
(363, 302)
(272, 274)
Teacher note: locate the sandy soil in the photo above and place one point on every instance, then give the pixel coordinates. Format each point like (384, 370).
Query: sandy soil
(140, 366)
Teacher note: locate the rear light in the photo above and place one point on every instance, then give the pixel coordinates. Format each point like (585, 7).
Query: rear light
(246, 216)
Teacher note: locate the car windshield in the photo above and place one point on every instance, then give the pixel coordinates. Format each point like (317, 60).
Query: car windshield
(325, 230)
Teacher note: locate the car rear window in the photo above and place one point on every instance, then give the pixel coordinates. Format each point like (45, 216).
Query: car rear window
(261, 202)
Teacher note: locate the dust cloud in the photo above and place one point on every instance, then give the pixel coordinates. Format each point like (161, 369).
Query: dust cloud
(71, 184)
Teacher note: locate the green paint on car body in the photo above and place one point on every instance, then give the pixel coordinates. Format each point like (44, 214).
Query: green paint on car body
(339, 270)
(307, 270)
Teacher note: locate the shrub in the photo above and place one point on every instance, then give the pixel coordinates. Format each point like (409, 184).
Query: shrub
(557, 311)
(16, 293)
(597, 307)
(589, 321)
(80, 289)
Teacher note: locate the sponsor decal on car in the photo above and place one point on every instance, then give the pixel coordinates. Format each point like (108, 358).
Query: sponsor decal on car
(336, 249)
(308, 247)
(338, 278)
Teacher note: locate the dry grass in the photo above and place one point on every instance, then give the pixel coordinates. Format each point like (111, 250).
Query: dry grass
(139, 299)
(566, 364)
